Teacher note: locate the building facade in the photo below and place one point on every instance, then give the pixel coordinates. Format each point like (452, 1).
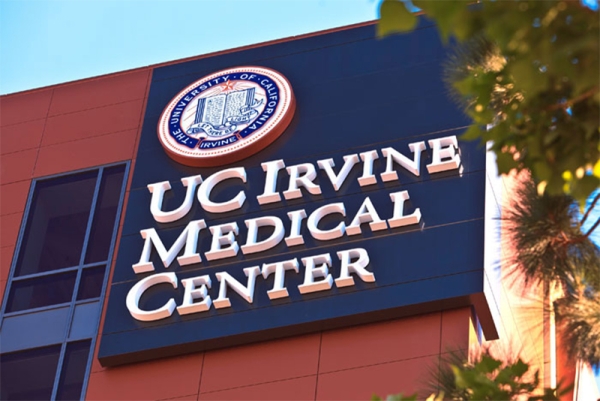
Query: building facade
(391, 258)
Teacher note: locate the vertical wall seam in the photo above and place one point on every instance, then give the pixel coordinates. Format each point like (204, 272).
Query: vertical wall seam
(318, 364)
(201, 372)
(39, 147)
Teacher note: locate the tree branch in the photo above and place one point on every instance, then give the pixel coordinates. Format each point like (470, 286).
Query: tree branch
(587, 213)
(593, 228)
(577, 99)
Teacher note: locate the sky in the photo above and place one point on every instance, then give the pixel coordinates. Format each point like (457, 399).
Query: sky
(45, 42)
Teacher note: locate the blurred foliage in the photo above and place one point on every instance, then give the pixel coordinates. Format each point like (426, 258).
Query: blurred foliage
(549, 247)
(528, 75)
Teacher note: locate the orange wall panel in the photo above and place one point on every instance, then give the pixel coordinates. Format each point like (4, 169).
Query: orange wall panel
(346, 364)
(83, 153)
(93, 122)
(23, 107)
(22, 136)
(154, 380)
(17, 166)
(302, 388)
(99, 92)
(380, 343)
(13, 197)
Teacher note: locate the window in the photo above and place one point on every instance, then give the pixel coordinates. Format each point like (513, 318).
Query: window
(51, 309)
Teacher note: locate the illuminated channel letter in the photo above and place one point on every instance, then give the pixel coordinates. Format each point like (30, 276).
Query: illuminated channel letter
(158, 192)
(312, 272)
(301, 175)
(226, 280)
(358, 267)
(296, 217)
(195, 289)
(135, 293)
(366, 214)
(279, 268)
(207, 186)
(270, 194)
(189, 237)
(399, 219)
(338, 180)
(367, 177)
(316, 216)
(223, 236)
(444, 148)
(253, 225)
(393, 156)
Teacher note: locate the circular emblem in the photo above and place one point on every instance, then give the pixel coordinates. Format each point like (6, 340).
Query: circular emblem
(226, 116)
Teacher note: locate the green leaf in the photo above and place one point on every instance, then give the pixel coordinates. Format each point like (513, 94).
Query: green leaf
(505, 162)
(472, 133)
(394, 18)
(520, 368)
(488, 364)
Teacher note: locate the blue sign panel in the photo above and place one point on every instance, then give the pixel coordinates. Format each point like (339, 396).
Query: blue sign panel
(368, 207)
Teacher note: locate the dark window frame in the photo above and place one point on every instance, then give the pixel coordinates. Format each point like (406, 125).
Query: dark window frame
(79, 268)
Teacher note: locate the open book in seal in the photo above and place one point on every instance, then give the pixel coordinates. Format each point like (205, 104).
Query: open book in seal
(220, 115)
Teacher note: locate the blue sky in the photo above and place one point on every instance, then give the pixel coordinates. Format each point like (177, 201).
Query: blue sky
(44, 42)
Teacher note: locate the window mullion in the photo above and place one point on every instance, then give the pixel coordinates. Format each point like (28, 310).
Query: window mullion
(61, 359)
(88, 231)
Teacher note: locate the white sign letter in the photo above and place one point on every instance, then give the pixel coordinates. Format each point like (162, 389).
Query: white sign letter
(337, 181)
(158, 191)
(305, 180)
(253, 225)
(245, 292)
(366, 213)
(317, 215)
(313, 272)
(414, 166)
(208, 185)
(195, 288)
(279, 268)
(135, 293)
(358, 267)
(444, 148)
(270, 195)
(399, 220)
(189, 237)
(223, 235)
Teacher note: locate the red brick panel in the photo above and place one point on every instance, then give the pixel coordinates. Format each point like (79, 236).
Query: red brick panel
(155, 380)
(86, 153)
(260, 363)
(405, 377)
(455, 329)
(99, 92)
(302, 388)
(17, 166)
(381, 342)
(93, 122)
(22, 136)
(14, 197)
(24, 107)
(9, 229)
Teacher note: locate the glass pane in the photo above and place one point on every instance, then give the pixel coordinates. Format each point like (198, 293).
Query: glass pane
(73, 371)
(105, 214)
(28, 375)
(41, 291)
(56, 224)
(91, 282)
